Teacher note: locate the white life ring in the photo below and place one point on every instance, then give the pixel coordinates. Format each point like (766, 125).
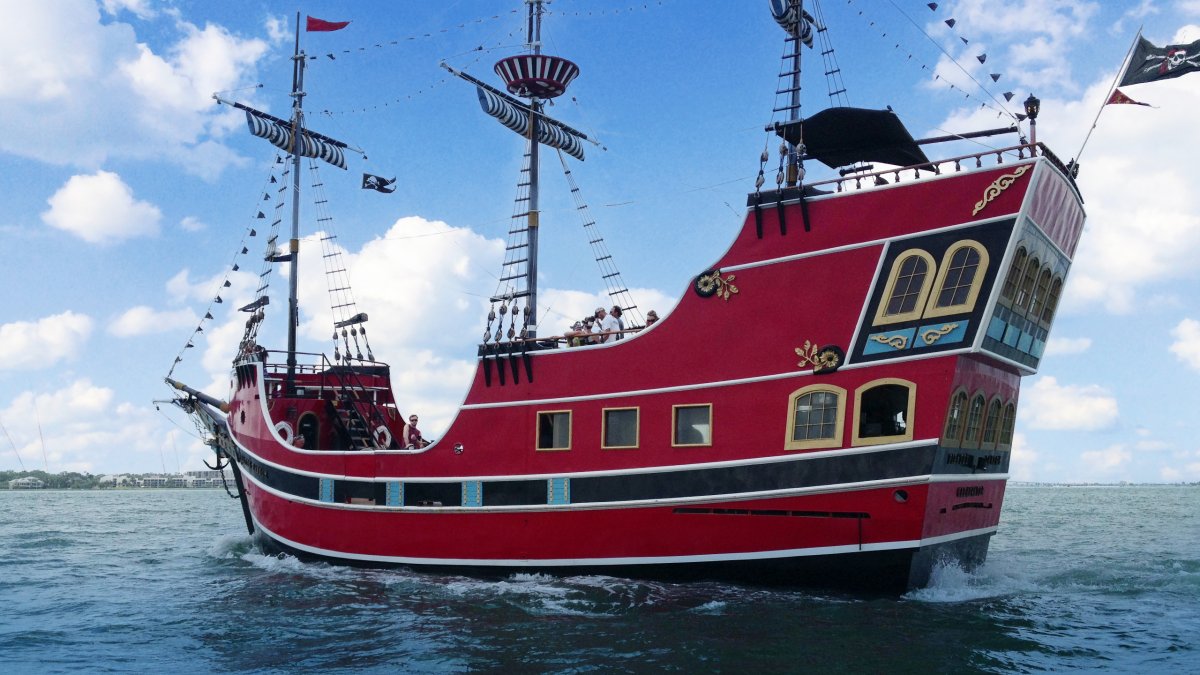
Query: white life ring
(285, 432)
(383, 436)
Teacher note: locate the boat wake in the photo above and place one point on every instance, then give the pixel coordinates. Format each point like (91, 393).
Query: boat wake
(949, 583)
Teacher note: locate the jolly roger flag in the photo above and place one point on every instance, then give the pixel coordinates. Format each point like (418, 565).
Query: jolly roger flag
(1150, 63)
(378, 183)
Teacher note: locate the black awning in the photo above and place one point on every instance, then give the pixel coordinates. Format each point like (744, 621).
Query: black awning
(841, 136)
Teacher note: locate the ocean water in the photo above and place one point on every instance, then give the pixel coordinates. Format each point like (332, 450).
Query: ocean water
(1078, 580)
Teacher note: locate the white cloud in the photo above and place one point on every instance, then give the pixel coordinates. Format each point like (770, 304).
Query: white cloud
(1023, 463)
(29, 346)
(1049, 405)
(100, 208)
(142, 320)
(140, 8)
(109, 95)
(1063, 346)
(191, 224)
(1187, 342)
(1106, 461)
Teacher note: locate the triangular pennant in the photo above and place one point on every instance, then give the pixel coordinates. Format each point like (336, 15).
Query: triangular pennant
(235, 268)
(932, 6)
(253, 232)
(951, 22)
(1119, 97)
(965, 40)
(227, 284)
(982, 58)
(995, 77)
(1008, 96)
(218, 300)
(273, 179)
(207, 315)
(261, 215)
(189, 345)
(245, 250)
(266, 198)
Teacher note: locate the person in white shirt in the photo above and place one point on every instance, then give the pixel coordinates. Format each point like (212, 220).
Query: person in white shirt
(605, 326)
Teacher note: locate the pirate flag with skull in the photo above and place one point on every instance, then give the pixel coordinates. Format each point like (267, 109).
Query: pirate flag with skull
(1151, 64)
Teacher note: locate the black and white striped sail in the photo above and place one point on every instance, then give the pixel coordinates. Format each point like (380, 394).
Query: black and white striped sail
(517, 119)
(280, 136)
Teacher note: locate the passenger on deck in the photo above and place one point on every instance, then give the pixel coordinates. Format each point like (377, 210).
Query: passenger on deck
(575, 335)
(651, 317)
(605, 327)
(411, 436)
(615, 313)
(588, 328)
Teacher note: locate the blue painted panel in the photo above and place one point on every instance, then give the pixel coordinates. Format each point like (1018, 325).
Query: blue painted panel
(889, 342)
(326, 489)
(996, 329)
(558, 491)
(1038, 348)
(933, 332)
(1025, 342)
(1011, 335)
(472, 493)
(395, 493)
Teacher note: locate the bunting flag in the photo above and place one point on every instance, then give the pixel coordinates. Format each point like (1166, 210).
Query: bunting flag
(517, 119)
(315, 25)
(378, 184)
(281, 137)
(1118, 97)
(1151, 64)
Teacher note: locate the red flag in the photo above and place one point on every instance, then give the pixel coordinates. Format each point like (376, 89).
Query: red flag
(1119, 97)
(314, 25)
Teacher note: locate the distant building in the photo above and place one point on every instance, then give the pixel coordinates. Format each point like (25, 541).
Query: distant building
(26, 483)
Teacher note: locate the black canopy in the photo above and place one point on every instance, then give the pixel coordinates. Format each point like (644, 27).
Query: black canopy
(841, 136)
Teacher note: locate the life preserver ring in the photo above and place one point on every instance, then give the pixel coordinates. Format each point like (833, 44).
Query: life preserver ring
(383, 436)
(285, 432)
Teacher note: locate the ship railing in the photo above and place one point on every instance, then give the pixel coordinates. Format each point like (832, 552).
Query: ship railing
(867, 179)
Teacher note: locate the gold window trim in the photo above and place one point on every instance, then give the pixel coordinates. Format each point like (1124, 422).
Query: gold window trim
(637, 428)
(881, 317)
(976, 283)
(855, 439)
(973, 443)
(674, 422)
(955, 440)
(840, 424)
(537, 430)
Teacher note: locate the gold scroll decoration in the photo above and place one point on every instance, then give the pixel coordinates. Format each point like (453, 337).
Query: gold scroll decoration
(999, 185)
(893, 341)
(934, 334)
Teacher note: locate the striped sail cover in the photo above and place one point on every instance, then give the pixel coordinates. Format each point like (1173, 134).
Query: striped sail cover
(518, 120)
(281, 137)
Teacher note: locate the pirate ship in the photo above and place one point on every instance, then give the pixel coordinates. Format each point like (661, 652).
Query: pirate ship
(847, 419)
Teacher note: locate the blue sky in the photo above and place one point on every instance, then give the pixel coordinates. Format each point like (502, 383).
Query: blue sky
(128, 192)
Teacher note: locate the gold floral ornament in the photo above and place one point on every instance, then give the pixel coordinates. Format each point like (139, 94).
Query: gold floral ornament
(934, 334)
(823, 360)
(711, 283)
(999, 185)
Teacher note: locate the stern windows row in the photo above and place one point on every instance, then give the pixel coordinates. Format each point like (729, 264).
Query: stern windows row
(974, 422)
(1031, 288)
(883, 413)
(691, 425)
(909, 294)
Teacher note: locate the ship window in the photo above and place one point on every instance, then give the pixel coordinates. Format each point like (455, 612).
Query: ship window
(1052, 301)
(620, 428)
(1006, 426)
(954, 419)
(974, 420)
(816, 416)
(1027, 281)
(991, 423)
(959, 279)
(907, 287)
(1014, 275)
(554, 430)
(1038, 304)
(884, 411)
(692, 424)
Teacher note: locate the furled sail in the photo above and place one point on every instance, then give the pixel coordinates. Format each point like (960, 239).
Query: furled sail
(517, 119)
(280, 136)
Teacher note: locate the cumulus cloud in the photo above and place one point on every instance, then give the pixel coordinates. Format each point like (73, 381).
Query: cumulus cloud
(191, 224)
(110, 95)
(142, 320)
(1024, 462)
(1107, 461)
(1186, 346)
(1062, 346)
(1049, 405)
(41, 344)
(100, 208)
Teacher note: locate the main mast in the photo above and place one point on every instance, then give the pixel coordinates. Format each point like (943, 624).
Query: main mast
(533, 40)
(294, 244)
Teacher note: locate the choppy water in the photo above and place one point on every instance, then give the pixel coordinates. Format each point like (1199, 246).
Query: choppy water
(1079, 579)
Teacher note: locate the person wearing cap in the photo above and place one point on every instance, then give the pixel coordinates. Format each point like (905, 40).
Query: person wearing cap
(411, 436)
(605, 326)
(651, 317)
(615, 312)
(576, 335)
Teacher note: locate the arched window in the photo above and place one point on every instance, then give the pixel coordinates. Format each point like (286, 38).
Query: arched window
(907, 287)
(816, 417)
(959, 279)
(991, 425)
(883, 411)
(952, 435)
(974, 421)
(1006, 426)
(1052, 301)
(1025, 292)
(1014, 275)
(1042, 292)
